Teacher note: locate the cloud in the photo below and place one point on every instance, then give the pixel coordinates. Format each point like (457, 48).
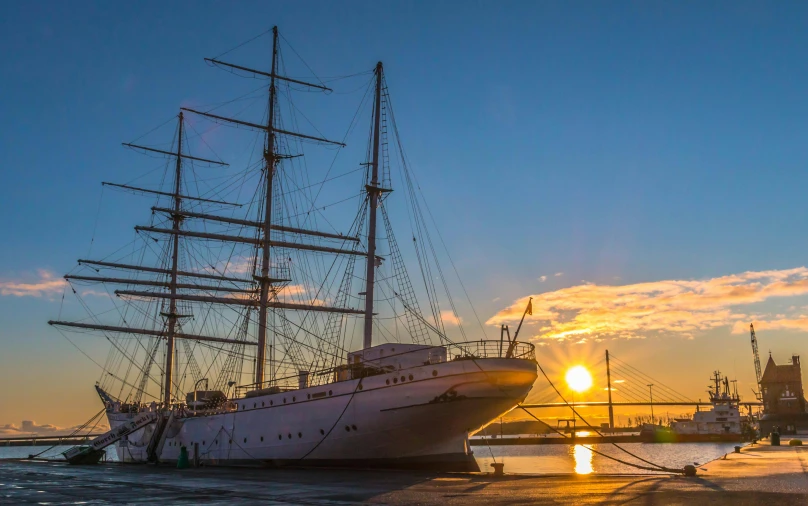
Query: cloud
(449, 318)
(798, 323)
(557, 274)
(28, 427)
(235, 265)
(94, 293)
(542, 279)
(292, 290)
(47, 285)
(680, 307)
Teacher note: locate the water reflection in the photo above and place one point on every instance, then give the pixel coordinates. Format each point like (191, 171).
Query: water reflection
(583, 459)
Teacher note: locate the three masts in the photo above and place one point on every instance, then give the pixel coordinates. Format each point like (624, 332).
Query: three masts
(260, 292)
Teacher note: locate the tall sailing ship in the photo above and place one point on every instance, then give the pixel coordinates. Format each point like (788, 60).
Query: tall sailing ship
(242, 333)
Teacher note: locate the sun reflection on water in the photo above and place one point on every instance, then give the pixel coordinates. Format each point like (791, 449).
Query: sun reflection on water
(583, 459)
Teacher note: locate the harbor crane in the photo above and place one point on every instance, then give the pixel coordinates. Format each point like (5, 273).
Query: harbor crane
(758, 374)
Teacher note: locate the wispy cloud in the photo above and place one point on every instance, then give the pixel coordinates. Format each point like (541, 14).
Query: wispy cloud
(661, 307)
(542, 279)
(449, 318)
(558, 274)
(46, 284)
(94, 293)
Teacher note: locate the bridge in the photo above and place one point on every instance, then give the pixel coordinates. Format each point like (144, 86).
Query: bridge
(619, 403)
(34, 440)
(634, 389)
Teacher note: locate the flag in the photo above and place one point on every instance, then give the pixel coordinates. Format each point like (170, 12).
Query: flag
(530, 307)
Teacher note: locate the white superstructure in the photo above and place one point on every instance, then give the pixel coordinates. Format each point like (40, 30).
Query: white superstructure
(723, 417)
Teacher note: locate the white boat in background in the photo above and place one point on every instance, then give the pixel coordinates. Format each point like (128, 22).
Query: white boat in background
(722, 422)
(222, 289)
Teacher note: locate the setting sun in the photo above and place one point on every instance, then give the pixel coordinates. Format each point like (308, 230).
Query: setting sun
(578, 378)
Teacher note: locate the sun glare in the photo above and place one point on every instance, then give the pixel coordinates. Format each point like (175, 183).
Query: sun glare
(578, 378)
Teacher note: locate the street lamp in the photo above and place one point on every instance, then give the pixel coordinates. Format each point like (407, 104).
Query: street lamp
(651, 393)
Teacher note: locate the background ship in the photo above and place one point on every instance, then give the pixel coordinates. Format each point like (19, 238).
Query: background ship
(723, 422)
(255, 301)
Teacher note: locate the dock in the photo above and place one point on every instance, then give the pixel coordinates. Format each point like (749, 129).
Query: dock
(760, 474)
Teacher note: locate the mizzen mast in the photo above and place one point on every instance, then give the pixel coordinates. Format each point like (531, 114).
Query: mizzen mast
(374, 192)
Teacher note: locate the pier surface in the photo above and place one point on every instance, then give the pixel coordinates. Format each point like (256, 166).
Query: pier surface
(760, 474)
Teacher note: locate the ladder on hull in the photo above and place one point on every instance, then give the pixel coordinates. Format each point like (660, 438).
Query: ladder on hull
(92, 453)
(158, 438)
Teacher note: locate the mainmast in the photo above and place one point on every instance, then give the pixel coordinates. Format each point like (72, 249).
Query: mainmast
(172, 312)
(374, 191)
(269, 161)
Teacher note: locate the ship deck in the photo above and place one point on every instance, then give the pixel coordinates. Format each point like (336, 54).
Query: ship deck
(760, 474)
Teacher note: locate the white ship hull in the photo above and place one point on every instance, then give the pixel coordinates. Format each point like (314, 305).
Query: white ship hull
(419, 416)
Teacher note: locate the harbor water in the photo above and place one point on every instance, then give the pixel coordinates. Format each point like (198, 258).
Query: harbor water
(533, 459)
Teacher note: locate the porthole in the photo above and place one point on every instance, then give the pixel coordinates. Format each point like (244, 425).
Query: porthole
(280, 437)
(284, 400)
(395, 380)
(294, 399)
(347, 429)
(403, 379)
(322, 432)
(410, 377)
(289, 436)
(243, 407)
(308, 396)
(262, 439)
(262, 404)
(434, 373)
(387, 381)
(245, 439)
(215, 441)
(329, 393)
(353, 427)
(203, 443)
(255, 405)
(299, 435)
(229, 441)
(271, 403)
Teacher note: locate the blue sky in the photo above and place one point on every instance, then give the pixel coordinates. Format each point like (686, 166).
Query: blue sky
(618, 143)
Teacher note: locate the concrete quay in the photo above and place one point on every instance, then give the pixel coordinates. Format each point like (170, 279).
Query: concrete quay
(760, 474)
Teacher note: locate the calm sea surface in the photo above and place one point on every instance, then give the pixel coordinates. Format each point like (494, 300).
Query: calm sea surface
(559, 458)
(535, 459)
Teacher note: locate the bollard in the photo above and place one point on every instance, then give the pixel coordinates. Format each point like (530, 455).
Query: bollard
(737, 449)
(499, 468)
(182, 461)
(775, 439)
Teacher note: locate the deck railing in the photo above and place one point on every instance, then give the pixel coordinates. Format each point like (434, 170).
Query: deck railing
(456, 351)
